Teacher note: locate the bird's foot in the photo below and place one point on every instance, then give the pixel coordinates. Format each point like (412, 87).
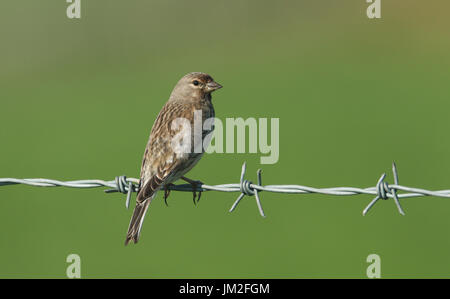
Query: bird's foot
(167, 192)
(195, 185)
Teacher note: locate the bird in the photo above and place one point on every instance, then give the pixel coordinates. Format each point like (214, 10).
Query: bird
(169, 155)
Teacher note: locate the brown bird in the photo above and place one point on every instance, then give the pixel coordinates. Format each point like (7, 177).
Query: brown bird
(173, 148)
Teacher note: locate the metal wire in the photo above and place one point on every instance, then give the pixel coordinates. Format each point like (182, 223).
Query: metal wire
(125, 185)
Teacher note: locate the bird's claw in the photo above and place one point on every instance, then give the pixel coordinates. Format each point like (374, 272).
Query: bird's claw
(167, 193)
(196, 184)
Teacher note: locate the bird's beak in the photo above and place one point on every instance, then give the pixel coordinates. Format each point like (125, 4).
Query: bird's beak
(212, 86)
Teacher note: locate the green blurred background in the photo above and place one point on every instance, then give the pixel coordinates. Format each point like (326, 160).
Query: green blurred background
(78, 99)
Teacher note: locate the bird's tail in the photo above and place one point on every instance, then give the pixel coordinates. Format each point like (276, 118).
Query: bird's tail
(144, 197)
(134, 229)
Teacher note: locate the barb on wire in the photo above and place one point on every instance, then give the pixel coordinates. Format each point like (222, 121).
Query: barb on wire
(125, 185)
(247, 188)
(383, 189)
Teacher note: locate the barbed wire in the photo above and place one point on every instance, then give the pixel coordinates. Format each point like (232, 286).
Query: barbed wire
(125, 185)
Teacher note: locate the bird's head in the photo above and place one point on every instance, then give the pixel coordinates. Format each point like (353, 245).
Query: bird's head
(195, 85)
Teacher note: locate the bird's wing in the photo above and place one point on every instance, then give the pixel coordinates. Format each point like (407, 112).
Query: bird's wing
(161, 162)
(159, 178)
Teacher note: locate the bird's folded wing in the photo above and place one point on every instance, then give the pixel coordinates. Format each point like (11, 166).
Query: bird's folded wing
(163, 174)
(161, 163)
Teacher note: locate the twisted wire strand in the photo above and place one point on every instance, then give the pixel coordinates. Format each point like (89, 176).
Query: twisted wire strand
(126, 185)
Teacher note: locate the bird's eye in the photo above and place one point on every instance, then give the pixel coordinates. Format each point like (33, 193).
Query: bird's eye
(195, 82)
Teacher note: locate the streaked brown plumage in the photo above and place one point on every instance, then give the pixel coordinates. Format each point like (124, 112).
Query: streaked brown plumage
(161, 164)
